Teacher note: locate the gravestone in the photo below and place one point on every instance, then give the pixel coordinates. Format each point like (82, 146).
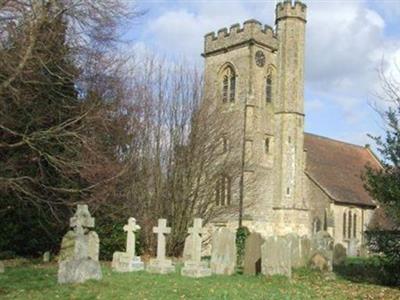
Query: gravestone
(295, 250)
(305, 250)
(1, 267)
(46, 257)
(128, 261)
(252, 254)
(276, 256)
(194, 267)
(223, 252)
(352, 249)
(81, 266)
(187, 248)
(161, 264)
(319, 262)
(322, 244)
(68, 241)
(339, 254)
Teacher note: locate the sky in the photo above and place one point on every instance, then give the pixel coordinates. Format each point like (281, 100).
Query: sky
(348, 44)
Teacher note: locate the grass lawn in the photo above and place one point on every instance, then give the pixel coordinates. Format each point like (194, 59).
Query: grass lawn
(39, 281)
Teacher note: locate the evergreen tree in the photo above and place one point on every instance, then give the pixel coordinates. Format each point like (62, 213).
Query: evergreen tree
(384, 185)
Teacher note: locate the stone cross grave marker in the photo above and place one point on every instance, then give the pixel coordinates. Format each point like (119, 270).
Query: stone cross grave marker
(80, 266)
(194, 267)
(83, 217)
(196, 231)
(128, 261)
(81, 245)
(161, 265)
(161, 230)
(130, 230)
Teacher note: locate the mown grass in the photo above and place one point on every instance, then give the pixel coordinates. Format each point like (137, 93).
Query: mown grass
(39, 281)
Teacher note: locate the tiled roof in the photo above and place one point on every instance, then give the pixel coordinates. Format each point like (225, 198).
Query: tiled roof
(337, 168)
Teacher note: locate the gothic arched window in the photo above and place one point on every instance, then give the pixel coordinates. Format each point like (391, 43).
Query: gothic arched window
(268, 89)
(223, 193)
(228, 85)
(354, 226)
(325, 221)
(344, 225)
(349, 226)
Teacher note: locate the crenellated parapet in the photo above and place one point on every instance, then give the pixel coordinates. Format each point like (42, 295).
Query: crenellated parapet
(252, 31)
(289, 9)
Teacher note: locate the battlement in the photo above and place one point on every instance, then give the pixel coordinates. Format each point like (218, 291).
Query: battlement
(289, 9)
(252, 31)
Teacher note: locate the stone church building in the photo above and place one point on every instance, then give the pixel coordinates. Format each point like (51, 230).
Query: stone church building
(290, 181)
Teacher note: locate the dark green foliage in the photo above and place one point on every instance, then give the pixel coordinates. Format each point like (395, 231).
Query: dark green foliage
(241, 235)
(384, 185)
(388, 243)
(375, 269)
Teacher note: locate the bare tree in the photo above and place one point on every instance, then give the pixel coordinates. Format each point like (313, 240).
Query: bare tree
(61, 106)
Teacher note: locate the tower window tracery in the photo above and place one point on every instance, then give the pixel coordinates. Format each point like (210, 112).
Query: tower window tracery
(268, 89)
(228, 85)
(267, 145)
(223, 193)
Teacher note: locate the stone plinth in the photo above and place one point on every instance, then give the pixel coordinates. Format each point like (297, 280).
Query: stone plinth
(160, 266)
(78, 271)
(196, 269)
(123, 262)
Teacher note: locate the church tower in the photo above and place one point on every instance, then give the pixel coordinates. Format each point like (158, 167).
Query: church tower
(289, 114)
(254, 79)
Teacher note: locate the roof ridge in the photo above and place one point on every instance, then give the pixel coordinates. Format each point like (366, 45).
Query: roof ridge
(335, 140)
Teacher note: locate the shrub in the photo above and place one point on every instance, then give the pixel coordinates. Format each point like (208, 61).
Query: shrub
(241, 236)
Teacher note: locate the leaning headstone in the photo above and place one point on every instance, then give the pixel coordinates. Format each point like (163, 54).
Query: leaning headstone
(46, 257)
(1, 267)
(276, 257)
(252, 254)
(339, 254)
(322, 244)
(223, 252)
(128, 261)
(80, 267)
(194, 267)
(161, 264)
(68, 241)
